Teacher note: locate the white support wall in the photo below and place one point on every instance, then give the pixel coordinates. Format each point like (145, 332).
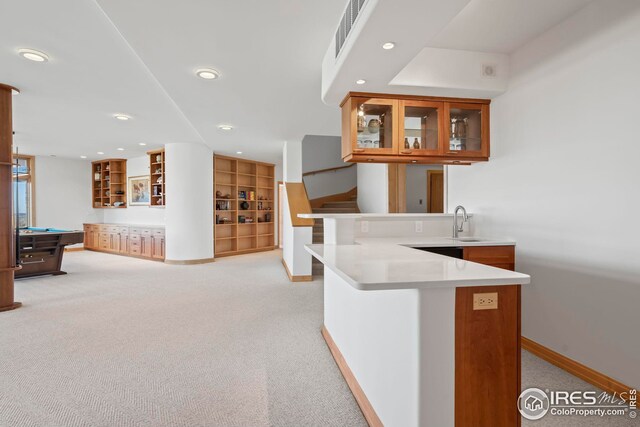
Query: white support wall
(294, 255)
(373, 188)
(189, 208)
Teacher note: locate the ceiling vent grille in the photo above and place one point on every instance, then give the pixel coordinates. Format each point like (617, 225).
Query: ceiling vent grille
(346, 23)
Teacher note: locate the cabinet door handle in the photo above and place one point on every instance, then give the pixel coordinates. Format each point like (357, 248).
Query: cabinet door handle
(406, 152)
(358, 150)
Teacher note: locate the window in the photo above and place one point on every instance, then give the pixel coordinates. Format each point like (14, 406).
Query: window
(23, 190)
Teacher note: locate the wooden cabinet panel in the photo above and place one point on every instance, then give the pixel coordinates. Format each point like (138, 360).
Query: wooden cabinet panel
(126, 240)
(124, 243)
(487, 359)
(145, 246)
(88, 237)
(157, 246)
(488, 348)
(496, 256)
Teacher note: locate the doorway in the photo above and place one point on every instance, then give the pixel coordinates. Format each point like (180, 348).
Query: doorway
(435, 191)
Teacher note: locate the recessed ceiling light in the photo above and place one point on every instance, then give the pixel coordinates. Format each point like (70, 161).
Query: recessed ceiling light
(238, 152)
(100, 152)
(122, 117)
(120, 149)
(207, 73)
(388, 45)
(33, 55)
(83, 157)
(142, 143)
(225, 127)
(361, 82)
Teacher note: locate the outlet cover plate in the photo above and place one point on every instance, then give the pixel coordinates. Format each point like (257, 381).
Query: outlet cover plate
(488, 301)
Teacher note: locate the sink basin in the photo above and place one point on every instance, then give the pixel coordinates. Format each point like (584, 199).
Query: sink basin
(468, 239)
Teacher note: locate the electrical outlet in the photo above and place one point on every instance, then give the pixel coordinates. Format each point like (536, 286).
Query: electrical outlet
(488, 301)
(418, 226)
(364, 226)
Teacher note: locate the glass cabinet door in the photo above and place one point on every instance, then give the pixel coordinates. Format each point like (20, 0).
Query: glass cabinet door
(375, 126)
(467, 130)
(421, 128)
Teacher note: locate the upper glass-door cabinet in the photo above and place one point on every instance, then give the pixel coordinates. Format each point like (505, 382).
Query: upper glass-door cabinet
(467, 130)
(369, 126)
(421, 130)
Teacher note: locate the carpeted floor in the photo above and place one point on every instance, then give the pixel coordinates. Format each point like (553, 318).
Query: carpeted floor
(127, 342)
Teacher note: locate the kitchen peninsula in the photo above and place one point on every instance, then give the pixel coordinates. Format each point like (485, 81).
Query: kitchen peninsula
(422, 338)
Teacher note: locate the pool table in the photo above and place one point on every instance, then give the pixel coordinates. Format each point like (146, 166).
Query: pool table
(41, 250)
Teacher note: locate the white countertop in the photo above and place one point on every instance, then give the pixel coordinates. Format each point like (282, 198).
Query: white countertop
(374, 216)
(392, 263)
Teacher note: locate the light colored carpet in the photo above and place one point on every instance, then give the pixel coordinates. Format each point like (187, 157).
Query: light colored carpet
(127, 342)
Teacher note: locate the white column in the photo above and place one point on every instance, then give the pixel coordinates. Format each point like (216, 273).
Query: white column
(292, 161)
(189, 203)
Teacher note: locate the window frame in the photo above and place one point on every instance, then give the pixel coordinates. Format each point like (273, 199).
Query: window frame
(29, 177)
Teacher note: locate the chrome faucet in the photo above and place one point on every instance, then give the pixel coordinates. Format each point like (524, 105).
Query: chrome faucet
(465, 218)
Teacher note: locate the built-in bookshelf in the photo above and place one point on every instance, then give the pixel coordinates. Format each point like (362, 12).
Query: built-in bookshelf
(244, 203)
(157, 178)
(109, 184)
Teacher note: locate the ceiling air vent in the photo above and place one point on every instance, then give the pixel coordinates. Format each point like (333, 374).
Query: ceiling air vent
(348, 18)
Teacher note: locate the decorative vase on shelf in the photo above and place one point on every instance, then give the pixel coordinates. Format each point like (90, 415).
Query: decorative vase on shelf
(416, 144)
(362, 123)
(374, 126)
(406, 143)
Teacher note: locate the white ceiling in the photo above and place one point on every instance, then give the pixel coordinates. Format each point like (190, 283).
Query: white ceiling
(501, 26)
(139, 58)
(477, 26)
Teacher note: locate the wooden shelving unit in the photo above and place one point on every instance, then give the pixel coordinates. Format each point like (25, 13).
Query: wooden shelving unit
(157, 178)
(244, 197)
(109, 184)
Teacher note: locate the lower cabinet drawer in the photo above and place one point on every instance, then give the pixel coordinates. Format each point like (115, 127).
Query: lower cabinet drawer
(134, 248)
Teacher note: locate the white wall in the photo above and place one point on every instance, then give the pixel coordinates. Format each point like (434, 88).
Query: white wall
(189, 209)
(136, 214)
(325, 152)
(292, 161)
(333, 182)
(63, 193)
(373, 188)
(416, 189)
(563, 181)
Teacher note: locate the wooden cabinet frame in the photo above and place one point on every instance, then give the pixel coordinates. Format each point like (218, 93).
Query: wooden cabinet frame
(484, 111)
(352, 112)
(396, 153)
(440, 107)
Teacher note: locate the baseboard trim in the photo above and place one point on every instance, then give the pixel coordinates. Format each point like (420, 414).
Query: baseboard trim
(365, 406)
(77, 249)
(293, 278)
(577, 369)
(188, 261)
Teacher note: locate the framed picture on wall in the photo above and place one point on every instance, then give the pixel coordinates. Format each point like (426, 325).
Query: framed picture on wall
(139, 191)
